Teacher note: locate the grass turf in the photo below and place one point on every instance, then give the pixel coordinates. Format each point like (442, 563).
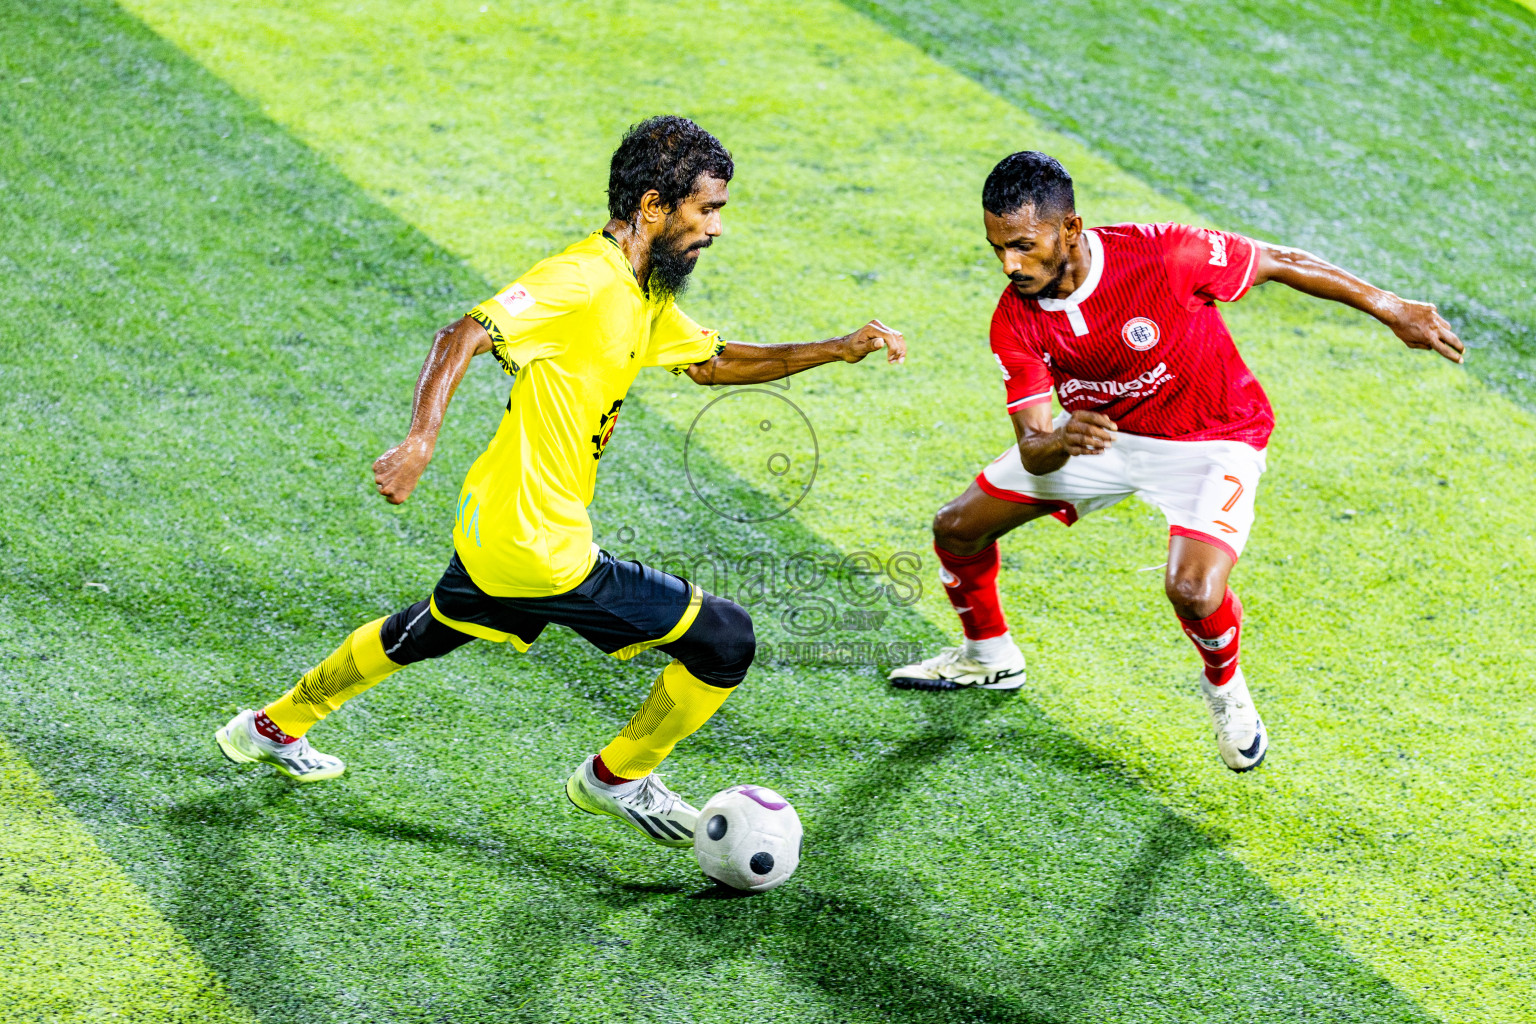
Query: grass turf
(970, 858)
(78, 941)
(1392, 137)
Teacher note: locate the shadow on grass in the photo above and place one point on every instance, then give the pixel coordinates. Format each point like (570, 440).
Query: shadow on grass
(863, 944)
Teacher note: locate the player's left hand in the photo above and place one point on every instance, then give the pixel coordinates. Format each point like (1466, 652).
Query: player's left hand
(875, 335)
(1420, 325)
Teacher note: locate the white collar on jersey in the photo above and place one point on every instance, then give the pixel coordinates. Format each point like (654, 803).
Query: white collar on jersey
(1069, 304)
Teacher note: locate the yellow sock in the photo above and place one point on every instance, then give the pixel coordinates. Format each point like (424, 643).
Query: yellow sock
(679, 703)
(353, 667)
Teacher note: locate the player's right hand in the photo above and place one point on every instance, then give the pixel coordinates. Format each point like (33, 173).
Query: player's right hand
(1087, 433)
(1420, 325)
(396, 472)
(872, 336)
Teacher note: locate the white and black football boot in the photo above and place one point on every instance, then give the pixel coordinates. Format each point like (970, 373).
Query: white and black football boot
(953, 669)
(241, 743)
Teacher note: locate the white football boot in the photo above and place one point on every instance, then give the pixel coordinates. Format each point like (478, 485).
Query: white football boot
(955, 669)
(240, 742)
(1241, 738)
(647, 805)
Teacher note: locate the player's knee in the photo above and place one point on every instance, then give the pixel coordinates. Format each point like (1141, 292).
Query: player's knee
(1194, 596)
(412, 634)
(736, 645)
(953, 533)
(720, 644)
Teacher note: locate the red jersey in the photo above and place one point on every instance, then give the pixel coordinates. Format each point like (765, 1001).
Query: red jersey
(1141, 340)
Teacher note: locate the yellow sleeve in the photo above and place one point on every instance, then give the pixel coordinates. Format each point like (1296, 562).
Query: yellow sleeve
(527, 319)
(677, 342)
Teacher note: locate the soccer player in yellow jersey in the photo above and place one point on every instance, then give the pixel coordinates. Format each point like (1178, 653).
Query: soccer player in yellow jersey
(572, 332)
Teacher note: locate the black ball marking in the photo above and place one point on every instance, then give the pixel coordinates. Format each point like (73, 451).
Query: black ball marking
(762, 863)
(716, 827)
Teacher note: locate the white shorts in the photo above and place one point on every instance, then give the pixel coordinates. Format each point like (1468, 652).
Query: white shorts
(1205, 489)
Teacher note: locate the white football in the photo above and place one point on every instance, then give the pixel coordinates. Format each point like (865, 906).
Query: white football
(748, 838)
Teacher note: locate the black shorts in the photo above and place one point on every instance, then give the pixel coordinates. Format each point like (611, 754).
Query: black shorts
(621, 608)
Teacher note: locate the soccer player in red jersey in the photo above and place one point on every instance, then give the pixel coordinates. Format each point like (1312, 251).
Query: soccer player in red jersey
(1121, 323)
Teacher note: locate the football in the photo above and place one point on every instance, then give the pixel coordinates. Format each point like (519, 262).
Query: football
(748, 839)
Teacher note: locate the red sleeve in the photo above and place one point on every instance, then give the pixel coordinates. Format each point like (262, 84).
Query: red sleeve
(1206, 265)
(1025, 374)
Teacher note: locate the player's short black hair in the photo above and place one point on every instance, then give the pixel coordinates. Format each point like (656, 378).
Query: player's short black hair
(1029, 178)
(668, 154)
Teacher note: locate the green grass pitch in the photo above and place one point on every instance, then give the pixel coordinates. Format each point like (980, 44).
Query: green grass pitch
(229, 232)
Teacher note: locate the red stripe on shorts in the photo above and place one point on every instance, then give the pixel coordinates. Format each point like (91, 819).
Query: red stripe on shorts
(1063, 510)
(1204, 538)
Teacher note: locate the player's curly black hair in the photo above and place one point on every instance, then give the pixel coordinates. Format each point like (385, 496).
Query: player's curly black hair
(668, 154)
(1029, 178)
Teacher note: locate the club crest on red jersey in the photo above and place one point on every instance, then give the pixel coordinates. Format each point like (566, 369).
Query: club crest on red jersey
(1140, 333)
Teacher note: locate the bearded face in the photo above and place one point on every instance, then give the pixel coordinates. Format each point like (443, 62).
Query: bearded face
(673, 256)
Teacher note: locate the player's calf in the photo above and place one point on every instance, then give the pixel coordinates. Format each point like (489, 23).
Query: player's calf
(1217, 637)
(989, 658)
(275, 734)
(713, 656)
(1241, 739)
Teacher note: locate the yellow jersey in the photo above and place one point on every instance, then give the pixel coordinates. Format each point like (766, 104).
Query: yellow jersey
(572, 332)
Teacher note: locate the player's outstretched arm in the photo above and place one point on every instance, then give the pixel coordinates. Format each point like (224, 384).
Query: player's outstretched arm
(1418, 324)
(740, 363)
(396, 472)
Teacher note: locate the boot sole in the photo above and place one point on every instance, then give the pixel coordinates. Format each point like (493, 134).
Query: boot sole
(1012, 682)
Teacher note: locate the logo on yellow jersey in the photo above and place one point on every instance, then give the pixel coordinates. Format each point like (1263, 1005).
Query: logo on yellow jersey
(468, 517)
(605, 427)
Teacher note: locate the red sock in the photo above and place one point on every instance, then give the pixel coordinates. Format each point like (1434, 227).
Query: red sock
(605, 775)
(1217, 638)
(269, 729)
(971, 583)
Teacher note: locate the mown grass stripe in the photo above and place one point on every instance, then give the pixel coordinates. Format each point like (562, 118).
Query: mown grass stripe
(966, 857)
(834, 156)
(78, 940)
(1349, 127)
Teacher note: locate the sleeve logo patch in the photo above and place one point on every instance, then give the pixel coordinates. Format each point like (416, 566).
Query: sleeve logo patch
(515, 299)
(1140, 333)
(1218, 248)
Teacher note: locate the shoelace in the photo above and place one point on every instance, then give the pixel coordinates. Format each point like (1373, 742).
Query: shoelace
(1222, 706)
(299, 750)
(654, 796)
(946, 657)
